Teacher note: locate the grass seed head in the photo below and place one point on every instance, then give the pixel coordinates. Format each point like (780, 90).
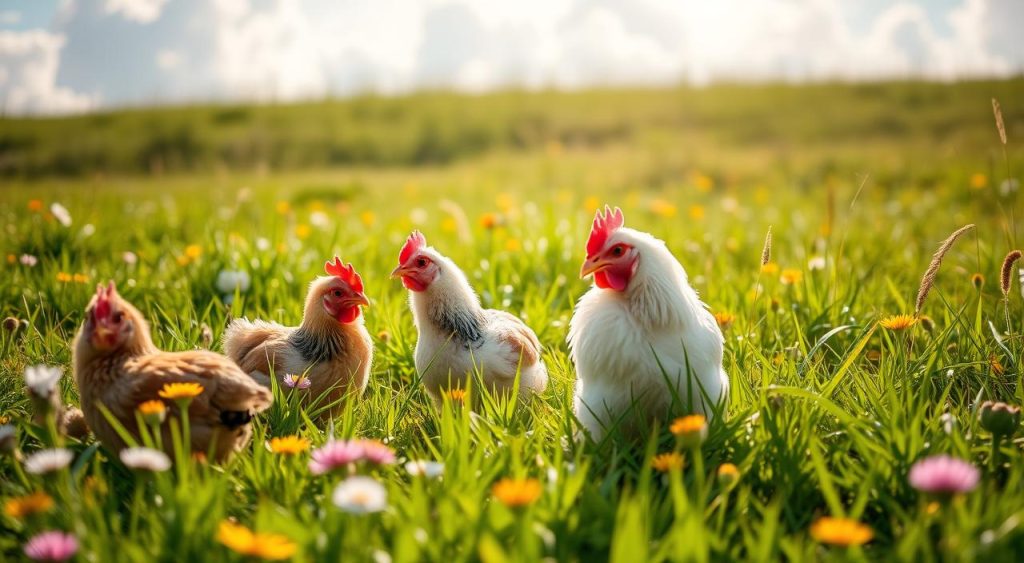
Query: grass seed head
(1006, 272)
(928, 280)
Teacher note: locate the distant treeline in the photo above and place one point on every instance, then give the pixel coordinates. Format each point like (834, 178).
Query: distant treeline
(432, 128)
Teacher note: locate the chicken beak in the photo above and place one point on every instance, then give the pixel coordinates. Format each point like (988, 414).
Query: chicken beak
(398, 272)
(103, 336)
(360, 299)
(592, 265)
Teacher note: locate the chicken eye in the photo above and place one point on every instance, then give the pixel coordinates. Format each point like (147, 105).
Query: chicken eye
(422, 263)
(117, 317)
(617, 251)
(337, 293)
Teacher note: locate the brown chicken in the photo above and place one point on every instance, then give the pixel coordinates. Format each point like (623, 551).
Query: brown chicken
(118, 366)
(330, 351)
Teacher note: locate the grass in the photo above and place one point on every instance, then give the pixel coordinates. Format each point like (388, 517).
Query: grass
(827, 410)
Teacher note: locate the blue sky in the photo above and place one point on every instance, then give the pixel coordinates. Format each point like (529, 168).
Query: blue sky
(60, 56)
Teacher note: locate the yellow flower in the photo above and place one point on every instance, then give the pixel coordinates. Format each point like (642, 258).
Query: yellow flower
(840, 531)
(64, 277)
(667, 462)
(283, 207)
(153, 412)
(244, 541)
(771, 268)
(80, 278)
(368, 218)
(728, 474)
(456, 395)
(11, 258)
(703, 182)
(289, 445)
(516, 492)
(513, 245)
(791, 276)
(663, 208)
(193, 251)
(489, 221)
(979, 180)
(35, 503)
(724, 319)
(302, 230)
(692, 429)
(35, 205)
(696, 212)
(898, 322)
(183, 390)
(591, 203)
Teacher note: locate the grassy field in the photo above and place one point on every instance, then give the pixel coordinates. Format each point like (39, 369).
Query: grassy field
(828, 410)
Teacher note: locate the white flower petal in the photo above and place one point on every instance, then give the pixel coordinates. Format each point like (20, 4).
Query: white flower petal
(48, 461)
(360, 495)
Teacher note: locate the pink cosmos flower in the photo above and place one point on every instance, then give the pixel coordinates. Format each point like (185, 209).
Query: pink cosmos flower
(335, 454)
(944, 475)
(51, 546)
(378, 453)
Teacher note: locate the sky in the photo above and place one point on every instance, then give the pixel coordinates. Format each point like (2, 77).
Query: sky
(70, 56)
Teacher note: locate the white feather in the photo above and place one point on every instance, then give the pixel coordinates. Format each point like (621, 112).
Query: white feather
(618, 339)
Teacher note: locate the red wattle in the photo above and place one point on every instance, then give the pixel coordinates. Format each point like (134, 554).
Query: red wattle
(412, 284)
(348, 314)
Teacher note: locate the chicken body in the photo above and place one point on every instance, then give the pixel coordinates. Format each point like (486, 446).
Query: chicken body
(118, 366)
(457, 337)
(642, 340)
(334, 355)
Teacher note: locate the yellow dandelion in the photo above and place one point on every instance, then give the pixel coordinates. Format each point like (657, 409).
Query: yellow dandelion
(724, 319)
(244, 541)
(692, 429)
(696, 212)
(181, 390)
(898, 322)
(64, 277)
(979, 180)
(728, 474)
(283, 207)
(663, 208)
(513, 245)
(840, 531)
(791, 276)
(302, 230)
(80, 278)
(489, 221)
(289, 445)
(193, 251)
(153, 412)
(456, 395)
(667, 462)
(771, 268)
(35, 503)
(368, 218)
(516, 492)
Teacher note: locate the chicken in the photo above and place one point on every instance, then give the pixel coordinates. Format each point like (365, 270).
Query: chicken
(118, 366)
(640, 338)
(457, 337)
(331, 347)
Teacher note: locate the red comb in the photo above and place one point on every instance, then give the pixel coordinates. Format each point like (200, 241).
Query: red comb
(346, 273)
(604, 225)
(415, 242)
(103, 296)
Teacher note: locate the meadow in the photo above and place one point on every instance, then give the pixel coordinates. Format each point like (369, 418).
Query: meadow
(828, 408)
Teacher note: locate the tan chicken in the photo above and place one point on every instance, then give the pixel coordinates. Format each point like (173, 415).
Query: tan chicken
(330, 351)
(118, 366)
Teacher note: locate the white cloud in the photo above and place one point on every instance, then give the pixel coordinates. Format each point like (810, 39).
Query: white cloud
(139, 11)
(10, 17)
(28, 71)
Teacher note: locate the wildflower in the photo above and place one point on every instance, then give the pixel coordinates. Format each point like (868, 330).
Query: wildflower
(228, 281)
(516, 493)
(293, 381)
(667, 462)
(129, 257)
(999, 418)
(42, 380)
(728, 474)
(377, 452)
(263, 244)
(944, 476)
(319, 219)
(145, 459)
(663, 208)
(11, 258)
(696, 212)
(51, 546)
(244, 541)
(429, 469)
(816, 263)
(35, 503)
(489, 221)
(898, 322)
(456, 395)
(335, 454)
(64, 277)
(770, 268)
(193, 251)
(61, 214)
(153, 412)
(28, 260)
(283, 207)
(791, 276)
(841, 531)
(302, 230)
(978, 180)
(692, 430)
(724, 319)
(11, 324)
(48, 461)
(181, 390)
(360, 495)
(289, 445)
(35, 205)
(368, 218)
(513, 245)
(977, 280)
(80, 278)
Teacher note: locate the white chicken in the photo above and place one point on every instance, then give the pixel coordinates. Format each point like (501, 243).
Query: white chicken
(641, 338)
(458, 337)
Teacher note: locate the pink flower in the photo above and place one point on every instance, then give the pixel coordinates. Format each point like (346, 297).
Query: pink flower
(944, 475)
(292, 381)
(378, 453)
(51, 546)
(335, 455)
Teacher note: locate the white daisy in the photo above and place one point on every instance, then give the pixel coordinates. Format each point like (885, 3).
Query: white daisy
(61, 214)
(230, 280)
(145, 459)
(429, 469)
(360, 495)
(48, 461)
(42, 380)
